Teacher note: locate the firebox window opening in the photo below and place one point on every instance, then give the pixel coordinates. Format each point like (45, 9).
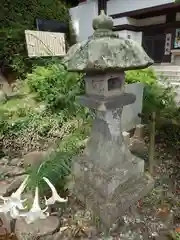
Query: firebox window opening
(114, 83)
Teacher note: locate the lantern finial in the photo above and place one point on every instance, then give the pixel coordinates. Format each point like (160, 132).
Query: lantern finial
(103, 22)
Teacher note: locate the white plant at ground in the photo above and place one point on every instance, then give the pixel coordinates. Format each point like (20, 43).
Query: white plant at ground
(13, 205)
(55, 196)
(35, 212)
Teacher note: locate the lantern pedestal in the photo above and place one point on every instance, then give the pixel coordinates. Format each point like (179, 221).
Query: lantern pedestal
(108, 179)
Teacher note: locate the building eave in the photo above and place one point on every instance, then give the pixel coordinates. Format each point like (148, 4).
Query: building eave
(150, 11)
(175, 24)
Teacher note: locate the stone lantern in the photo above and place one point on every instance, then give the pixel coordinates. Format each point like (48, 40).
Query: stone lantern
(107, 177)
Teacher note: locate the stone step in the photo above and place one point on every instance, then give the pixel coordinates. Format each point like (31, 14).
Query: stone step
(175, 84)
(168, 74)
(175, 74)
(169, 67)
(171, 80)
(172, 77)
(166, 69)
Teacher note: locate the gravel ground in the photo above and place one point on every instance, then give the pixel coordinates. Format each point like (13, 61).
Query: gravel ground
(154, 217)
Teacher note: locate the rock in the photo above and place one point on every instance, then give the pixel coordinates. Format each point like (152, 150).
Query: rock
(138, 148)
(5, 85)
(26, 231)
(2, 154)
(3, 232)
(3, 97)
(16, 162)
(8, 185)
(6, 220)
(137, 144)
(4, 184)
(10, 170)
(4, 161)
(13, 186)
(139, 131)
(34, 159)
(59, 235)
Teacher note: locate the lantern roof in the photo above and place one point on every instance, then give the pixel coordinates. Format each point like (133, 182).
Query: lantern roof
(106, 51)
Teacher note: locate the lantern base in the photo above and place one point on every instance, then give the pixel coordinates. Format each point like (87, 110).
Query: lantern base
(108, 179)
(110, 194)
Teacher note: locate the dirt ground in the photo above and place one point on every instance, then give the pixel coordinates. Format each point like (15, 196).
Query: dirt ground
(157, 216)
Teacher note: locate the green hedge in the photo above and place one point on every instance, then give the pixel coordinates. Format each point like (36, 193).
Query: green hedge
(16, 16)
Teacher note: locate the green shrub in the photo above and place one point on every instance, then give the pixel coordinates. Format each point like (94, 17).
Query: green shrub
(146, 76)
(17, 16)
(157, 97)
(56, 87)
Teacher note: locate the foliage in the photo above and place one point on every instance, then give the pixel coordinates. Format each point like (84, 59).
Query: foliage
(55, 86)
(17, 16)
(157, 97)
(57, 166)
(45, 113)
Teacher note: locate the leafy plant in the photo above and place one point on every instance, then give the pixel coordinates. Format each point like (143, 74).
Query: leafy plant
(55, 86)
(157, 97)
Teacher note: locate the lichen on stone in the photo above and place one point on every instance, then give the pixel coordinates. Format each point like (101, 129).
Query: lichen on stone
(106, 51)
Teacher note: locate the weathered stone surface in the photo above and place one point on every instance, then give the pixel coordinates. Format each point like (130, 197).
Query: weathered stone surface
(4, 184)
(106, 51)
(13, 186)
(137, 144)
(110, 209)
(34, 159)
(4, 161)
(139, 131)
(105, 85)
(138, 147)
(26, 231)
(6, 219)
(108, 178)
(3, 97)
(104, 104)
(9, 184)
(16, 162)
(6, 169)
(62, 234)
